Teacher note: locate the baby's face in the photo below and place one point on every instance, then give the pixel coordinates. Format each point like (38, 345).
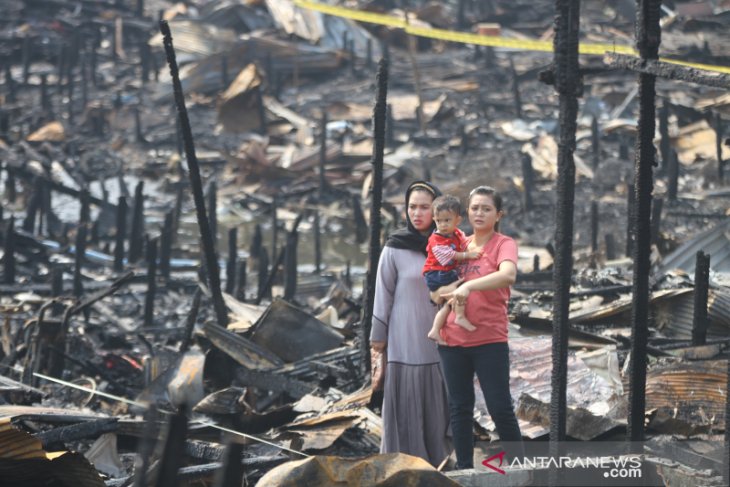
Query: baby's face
(446, 221)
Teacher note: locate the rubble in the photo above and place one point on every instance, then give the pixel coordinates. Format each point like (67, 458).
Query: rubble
(116, 343)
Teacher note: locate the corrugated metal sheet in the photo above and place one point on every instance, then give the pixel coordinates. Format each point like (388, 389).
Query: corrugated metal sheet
(23, 462)
(715, 242)
(675, 316)
(694, 391)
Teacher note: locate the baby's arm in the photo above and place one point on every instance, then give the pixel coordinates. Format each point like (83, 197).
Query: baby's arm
(468, 255)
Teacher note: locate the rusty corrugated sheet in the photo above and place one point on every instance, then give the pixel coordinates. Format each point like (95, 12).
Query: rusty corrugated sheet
(694, 391)
(675, 316)
(715, 242)
(23, 462)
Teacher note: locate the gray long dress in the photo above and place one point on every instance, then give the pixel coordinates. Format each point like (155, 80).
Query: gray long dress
(415, 406)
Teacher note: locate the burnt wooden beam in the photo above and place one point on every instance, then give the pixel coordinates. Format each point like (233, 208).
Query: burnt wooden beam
(277, 383)
(196, 184)
(700, 321)
(568, 84)
(654, 67)
(88, 429)
(648, 38)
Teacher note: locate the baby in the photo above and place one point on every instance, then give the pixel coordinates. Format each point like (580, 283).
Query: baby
(446, 247)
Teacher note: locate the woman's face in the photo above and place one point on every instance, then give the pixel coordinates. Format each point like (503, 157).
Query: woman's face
(483, 215)
(419, 210)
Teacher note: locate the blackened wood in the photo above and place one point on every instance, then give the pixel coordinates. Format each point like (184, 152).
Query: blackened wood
(630, 234)
(369, 53)
(172, 456)
(656, 220)
(9, 82)
(177, 214)
(290, 264)
(121, 234)
(595, 142)
(374, 248)
(231, 263)
(33, 205)
(610, 246)
(26, 54)
(648, 36)
(389, 126)
(270, 381)
(664, 142)
(718, 147)
(569, 86)
(76, 432)
(322, 153)
(653, 67)
(256, 241)
(536, 263)
(594, 226)
(45, 97)
(317, 243)
(149, 302)
(361, 226)
(528, 178)
(263, 276)
(700, 321)
(139, 9)
(231, 473)
(10, 193)
(623, 150)
(516, 89)
(143, 459)
(240, 292)
(190, 322)
(673, 176)
(213, 211)
(79, 258)
(135, 236)
(139, 133)
(274, 226)
(9, 252)
(166, 245)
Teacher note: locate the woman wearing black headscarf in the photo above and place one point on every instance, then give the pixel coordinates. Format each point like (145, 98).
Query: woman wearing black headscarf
(415, 408)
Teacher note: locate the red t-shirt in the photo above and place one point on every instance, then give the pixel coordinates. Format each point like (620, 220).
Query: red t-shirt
(486, 310)
(456, 243)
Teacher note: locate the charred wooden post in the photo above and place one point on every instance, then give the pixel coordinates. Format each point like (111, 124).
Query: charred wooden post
(290, 263)
(45, 98)
(673, 170)
(231, 474)
(630, 234)
(263, 128)
(256, 241)
(138, 132)
(173, 454)
(33, 205)
(84, 83)
(61, 65)
(595, 142)
(79, 257)
(86, 429)
(569, 86)
(70, 105)
(240, 291)
(648, 37)
(9, 82)
(369, 54)
(274, 225)
(144, 62)
(263, 274)
(718, 148)
(700, 321)
(664, 142)
(389, 126)
(535, 263)
(26, 54)
(135, 237)
(231, 263)
(149, 302)
(121, 234)
(213, 211)
(9, 252)
(93, 58)
(179, 144)
(361, 226)
(656, 220)
(610, 246)
(10, 193)
(190, 322)
(594, 226)
(317, 243)
(528, 177)
(516, 88)
(322, 154)
(166, 245)
(139, 9)
(381, 99)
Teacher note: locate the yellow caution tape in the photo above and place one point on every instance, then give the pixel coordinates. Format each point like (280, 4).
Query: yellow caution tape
(482, 40)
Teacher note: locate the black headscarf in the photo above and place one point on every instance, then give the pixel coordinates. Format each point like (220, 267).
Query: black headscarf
(409, 238)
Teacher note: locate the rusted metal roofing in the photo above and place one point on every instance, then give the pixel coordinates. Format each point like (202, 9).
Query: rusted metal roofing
(23, 462)
(715, 242)
(675, 316)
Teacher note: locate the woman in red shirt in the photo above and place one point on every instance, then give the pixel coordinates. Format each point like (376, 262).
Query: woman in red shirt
(483, 351)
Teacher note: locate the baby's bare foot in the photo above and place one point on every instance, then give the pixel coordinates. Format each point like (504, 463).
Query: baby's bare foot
(436, 336)
(464, 323)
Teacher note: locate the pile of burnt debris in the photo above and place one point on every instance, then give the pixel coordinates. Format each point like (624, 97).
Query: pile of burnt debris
(119, 350)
